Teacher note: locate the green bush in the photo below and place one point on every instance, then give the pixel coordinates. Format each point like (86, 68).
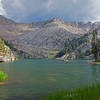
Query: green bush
(3, 76)
(97, 60)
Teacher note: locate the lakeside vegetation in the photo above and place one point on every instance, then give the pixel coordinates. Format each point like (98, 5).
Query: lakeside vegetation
(86, 93)
(3, 76)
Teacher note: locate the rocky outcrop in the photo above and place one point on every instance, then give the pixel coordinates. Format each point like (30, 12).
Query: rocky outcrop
(6, 55)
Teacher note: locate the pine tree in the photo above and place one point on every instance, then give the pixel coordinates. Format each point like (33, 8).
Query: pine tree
(95, 46)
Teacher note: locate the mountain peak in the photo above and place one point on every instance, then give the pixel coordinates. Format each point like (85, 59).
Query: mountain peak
(55, 19)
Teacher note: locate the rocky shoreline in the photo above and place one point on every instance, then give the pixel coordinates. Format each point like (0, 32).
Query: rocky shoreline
(6, 59)
(3, 83)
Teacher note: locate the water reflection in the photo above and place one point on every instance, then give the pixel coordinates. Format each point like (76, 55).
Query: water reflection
(96, 73)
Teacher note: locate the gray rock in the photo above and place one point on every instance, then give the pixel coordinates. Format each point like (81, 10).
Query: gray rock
(41, 39)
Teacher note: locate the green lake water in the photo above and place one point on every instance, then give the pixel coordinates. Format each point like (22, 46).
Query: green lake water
(33, 79)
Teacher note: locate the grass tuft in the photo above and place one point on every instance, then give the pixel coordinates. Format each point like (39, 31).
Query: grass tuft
(86, 93)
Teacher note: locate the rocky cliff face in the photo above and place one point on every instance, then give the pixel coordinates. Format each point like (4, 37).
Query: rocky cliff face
(6, 54)
(45, 39)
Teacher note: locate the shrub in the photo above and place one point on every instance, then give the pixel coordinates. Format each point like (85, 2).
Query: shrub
(3, 76)
(97, 60)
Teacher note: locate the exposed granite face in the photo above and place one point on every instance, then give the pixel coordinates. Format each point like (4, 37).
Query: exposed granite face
(6, 54)
(43, 39)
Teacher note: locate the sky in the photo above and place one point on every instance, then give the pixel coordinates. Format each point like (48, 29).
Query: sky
(40, 10)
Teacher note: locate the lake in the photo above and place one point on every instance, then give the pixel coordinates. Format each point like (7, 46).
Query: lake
(33, 79)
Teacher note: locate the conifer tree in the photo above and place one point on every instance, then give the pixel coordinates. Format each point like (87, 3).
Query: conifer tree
(94, 43)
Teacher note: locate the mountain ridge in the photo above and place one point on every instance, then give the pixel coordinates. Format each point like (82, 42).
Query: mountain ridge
(43, 39)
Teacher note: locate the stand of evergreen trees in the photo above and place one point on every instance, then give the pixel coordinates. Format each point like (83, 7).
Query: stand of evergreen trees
(95, 45)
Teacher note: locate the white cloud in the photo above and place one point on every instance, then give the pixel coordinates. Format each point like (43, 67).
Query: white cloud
(2, 10)
(73, 10)
(21, 9)
(49, 4)
(95, 9)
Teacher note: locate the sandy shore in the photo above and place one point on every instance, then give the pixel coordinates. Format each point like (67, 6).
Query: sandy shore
(98, 63)
(3, 83)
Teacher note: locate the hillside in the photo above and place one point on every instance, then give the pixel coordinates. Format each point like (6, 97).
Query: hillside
(45, 39)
